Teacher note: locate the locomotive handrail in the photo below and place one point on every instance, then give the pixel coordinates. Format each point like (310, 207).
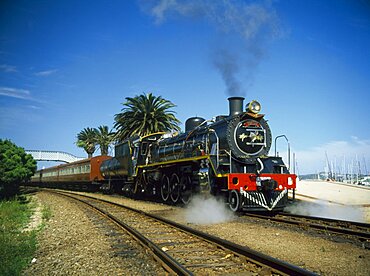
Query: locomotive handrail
(230, 160)
(217, 147)
(192, 131)
(279, 136)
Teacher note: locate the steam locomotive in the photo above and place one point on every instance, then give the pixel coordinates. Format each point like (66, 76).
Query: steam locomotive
(225, 157)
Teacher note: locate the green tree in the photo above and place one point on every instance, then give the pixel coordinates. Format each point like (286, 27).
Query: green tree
(16, 167)
(104, 137)
(86, 139)
(143, 115)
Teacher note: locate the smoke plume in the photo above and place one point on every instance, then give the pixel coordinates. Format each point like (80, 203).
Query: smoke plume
(250, 24)
(227, 64)
(207, 210)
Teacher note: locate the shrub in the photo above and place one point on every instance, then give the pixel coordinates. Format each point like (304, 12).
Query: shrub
(16, 167)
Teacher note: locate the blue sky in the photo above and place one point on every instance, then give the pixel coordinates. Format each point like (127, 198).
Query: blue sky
(66, 65)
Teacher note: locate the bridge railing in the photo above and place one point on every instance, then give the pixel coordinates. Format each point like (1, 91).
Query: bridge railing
(42, 155)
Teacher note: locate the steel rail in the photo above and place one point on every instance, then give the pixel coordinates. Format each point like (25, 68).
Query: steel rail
(338, 230)
(356, 223)
(250, 254)
(170, 264)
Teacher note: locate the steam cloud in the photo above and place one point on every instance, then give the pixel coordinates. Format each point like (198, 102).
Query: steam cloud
(321, 208)
(202, 210)
(252, 23)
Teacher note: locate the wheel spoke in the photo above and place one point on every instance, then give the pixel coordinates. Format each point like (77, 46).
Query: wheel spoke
(175, 185)
(185, 189)
(234, 200)
(165, 188)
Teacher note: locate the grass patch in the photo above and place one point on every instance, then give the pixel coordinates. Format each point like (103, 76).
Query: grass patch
(46, 213)
(16, 247)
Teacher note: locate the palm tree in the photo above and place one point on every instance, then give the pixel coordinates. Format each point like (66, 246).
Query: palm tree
(86, 139)
(104, 137)
(145, 114)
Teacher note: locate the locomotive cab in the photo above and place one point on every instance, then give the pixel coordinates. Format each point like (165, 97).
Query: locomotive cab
(141, 147)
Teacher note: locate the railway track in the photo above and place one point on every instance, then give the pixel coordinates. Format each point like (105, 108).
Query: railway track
(353, 230)
(182, 250)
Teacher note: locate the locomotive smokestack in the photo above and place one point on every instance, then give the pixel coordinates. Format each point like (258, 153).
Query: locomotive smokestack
(235, 105)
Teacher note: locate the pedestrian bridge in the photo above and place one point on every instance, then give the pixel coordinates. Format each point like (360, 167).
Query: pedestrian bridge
(47, 155)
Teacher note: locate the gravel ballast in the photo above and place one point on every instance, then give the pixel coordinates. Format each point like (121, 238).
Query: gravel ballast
(76, 241)
(72, 243)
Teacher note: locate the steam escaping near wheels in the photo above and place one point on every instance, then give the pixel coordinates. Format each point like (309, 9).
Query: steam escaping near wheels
(325, 209)
(208, 210)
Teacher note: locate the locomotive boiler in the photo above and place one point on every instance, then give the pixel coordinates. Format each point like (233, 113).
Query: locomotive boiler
(226, 157)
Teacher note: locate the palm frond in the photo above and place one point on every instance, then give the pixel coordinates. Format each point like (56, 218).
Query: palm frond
(145, 114)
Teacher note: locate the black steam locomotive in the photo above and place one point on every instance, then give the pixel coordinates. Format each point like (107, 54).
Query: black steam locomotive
(226, 157)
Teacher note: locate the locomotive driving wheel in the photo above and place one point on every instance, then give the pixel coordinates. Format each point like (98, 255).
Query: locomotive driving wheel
(175, 188)
(165, 188)
(185, 189)
(234, 200)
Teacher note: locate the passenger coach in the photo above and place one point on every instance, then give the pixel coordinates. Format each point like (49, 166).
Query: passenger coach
(80, 175)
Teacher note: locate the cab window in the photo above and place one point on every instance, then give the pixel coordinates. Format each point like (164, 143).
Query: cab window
(144, 148)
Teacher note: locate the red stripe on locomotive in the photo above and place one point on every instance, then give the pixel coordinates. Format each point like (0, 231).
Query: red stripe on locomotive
(248, 182)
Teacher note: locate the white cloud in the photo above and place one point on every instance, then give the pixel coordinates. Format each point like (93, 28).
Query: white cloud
(15, 93)
(247, 19)
(46, 73)
(18, 93)
(34, 107)
(352, 151)
(8, 68)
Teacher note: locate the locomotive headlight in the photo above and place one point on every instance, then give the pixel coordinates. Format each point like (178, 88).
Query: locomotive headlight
(254, 107)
